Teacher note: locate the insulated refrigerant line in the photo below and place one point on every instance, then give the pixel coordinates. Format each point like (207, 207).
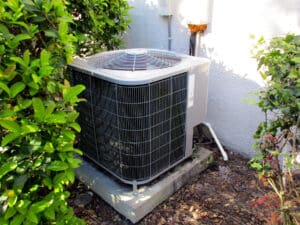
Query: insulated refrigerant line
(170, 32)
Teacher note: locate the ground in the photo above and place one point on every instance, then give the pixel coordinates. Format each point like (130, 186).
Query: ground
(226, 193)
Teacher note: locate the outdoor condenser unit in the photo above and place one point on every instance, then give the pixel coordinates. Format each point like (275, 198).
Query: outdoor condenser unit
(140, 110)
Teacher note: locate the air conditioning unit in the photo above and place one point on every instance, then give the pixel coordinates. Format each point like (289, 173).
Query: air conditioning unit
(141, 108)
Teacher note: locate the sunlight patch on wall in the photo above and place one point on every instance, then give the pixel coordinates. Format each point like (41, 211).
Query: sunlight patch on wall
(229, 42)
(195, 12)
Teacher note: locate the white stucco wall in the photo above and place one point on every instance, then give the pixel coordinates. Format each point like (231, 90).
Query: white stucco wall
(227, 43)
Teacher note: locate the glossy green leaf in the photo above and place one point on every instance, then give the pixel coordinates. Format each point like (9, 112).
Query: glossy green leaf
(10, 213)
(59, 180)
(18, 220)
(5, 88)
(72, 116)
(51, 33)
(2, 49)
(39, 109)
(48, 6)
(13, 5)
(70, 175)
(26, 129)
(16, 88)
(75, 126)
(68, 136)
(63, 29)
(47, 182)
(52, 87)
(10, 125)
(50, 213)
(12, 201)
(10, 72)
(45, 58)
(18, 60)
(23, 206)
(3, 30)
(45, 71)
(9, 138)
(296, 60)
(24, 103)
(3, 221)
(50, 108)
(256, 165)
(21, 37)
(26, 58)
(7, 167)
(77, 151)
(36, 78)
(74, 162)
(32, 217)
(6, 113)
(48, 147)
(58, 166)
(70, 94)
(40, 206)
(59, 118)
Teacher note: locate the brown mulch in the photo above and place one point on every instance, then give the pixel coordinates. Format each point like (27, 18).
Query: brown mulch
(224, 194)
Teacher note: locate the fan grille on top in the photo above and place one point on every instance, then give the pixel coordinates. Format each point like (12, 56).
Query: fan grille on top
(138, 60)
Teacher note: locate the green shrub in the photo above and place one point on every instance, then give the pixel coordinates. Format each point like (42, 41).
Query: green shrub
(278, 136)
(99, 24)
(37, 116)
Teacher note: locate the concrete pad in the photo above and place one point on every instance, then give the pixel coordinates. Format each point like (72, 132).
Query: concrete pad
(135, 205)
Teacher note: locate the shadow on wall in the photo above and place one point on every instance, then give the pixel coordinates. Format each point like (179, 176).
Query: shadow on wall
(234, 120)
(233, 75)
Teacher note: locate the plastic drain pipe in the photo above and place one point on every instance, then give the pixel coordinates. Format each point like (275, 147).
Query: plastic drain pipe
(224, 154)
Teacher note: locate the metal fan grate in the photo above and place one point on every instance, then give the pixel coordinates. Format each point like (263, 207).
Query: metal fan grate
(134, 132)
(139, 60)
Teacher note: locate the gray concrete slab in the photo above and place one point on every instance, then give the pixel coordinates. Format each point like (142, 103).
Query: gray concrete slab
(136, 205)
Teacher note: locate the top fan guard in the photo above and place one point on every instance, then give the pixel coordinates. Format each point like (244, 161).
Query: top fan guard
(138, 59)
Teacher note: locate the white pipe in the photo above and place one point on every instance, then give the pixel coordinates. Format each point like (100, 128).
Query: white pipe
(224, 154)
(197, 44)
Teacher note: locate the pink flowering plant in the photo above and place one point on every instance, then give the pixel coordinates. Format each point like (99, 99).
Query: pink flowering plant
(278, 136)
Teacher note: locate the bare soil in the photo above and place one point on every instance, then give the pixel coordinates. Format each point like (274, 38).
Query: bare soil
(223, 194)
